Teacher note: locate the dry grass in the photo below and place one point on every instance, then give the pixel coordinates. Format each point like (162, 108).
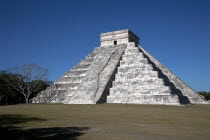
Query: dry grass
(105, 121)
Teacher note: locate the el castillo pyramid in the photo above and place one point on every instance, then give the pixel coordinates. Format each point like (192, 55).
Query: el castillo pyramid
(119, 71)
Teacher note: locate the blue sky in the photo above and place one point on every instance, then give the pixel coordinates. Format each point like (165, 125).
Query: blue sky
(57, 34)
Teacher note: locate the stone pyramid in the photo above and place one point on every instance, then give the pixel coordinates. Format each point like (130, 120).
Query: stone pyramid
(119, 71)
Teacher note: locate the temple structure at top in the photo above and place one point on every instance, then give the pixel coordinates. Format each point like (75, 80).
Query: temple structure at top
(119, 71)
(118, 37)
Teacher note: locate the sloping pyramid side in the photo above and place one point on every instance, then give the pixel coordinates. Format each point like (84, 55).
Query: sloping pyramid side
(57, 92)
(88, 82)
(95, 86)
(176, 84)
(141, 79)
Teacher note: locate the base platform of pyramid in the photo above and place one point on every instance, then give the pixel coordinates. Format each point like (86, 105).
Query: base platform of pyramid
(119, 71)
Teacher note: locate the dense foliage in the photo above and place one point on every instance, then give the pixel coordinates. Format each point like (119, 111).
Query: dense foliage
(206, 95)
(10, 95)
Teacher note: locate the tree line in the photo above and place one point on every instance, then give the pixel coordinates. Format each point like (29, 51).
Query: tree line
(20, 84)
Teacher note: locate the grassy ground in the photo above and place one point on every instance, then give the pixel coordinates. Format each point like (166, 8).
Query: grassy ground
(105, 122)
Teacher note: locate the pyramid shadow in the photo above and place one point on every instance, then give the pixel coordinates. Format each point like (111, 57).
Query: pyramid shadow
(13, 119)
(9, 130)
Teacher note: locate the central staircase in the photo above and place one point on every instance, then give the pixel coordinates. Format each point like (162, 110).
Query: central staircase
(137, 82)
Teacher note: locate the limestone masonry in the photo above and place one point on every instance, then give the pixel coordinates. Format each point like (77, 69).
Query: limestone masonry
(119, 71)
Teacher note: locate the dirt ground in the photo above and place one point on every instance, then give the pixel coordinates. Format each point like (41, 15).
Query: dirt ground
(105, 122)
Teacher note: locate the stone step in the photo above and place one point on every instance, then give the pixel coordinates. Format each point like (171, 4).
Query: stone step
(52, 92)
(125, 58)
(129, 90)
(70, 92)
(127, 51)
(135, 66)
(148, 79)
(75, 73)
(154, 90)
(75, 76)
(138, 82)
(143, 61)
(81, 67)
(86, 61)
(137, 73)
(134, 76)
(130, 52)
(141, 87)
(72, 85)
(133, 54)
(143, 68)
(145, 99)
(138, 58)
(127, 77)
(68, 82)
(60, 90)
(71, 79)
(128, 94)
(132, 47)
(92, 55)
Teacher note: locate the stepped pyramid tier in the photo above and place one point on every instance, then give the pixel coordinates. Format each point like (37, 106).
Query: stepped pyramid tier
(119, 71)
(57, 92)
(138, 82)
